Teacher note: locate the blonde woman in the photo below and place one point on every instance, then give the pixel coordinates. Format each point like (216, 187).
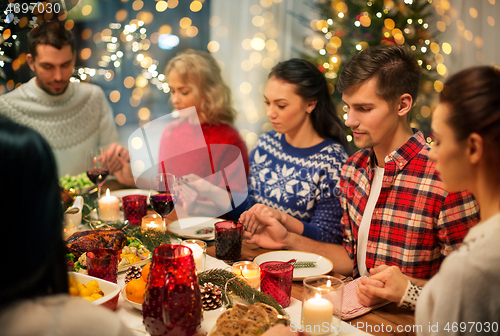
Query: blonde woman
(195, 80)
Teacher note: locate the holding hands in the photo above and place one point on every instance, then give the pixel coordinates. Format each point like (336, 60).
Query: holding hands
(251, 222)
(266, 231)
(386, 283)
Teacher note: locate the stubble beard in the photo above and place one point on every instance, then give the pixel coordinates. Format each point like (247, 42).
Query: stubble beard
(47, 89)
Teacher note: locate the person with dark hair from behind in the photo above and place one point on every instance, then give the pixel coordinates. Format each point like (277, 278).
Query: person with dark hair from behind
(34, 297)
(463, 295)
(395, 210)
(73, 117)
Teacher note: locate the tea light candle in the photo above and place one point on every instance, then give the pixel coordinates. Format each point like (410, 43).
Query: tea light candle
(248, 271)
(154, 222)
(198, 255)
(109, 207)
(317, 311)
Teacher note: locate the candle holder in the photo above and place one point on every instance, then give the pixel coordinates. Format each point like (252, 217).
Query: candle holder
(276, 280)
(249, 271)
(199, 249)
(322, 305)
(134, 208)
(153, 221)
(228, 237)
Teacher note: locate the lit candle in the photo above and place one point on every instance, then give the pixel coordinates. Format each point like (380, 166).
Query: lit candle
(198, 253)
(248, 271)
(109, 208)
(315, 312)
(154, 222)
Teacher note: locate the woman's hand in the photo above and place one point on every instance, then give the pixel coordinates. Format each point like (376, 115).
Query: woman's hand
(187, 198)
(251, 223)
(269, 234)
(202, 186)
(394, 282)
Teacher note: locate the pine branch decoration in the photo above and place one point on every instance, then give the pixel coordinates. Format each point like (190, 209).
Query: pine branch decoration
(221, 277)
(150, 238)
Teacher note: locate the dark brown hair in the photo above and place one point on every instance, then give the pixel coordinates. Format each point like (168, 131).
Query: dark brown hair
(310, 84)
(395, 68)
(473, 96)
(35, 239)
(51, 33)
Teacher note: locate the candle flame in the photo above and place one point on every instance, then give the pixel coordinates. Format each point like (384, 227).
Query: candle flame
(317, 296)
(328, 283)
(107, 192)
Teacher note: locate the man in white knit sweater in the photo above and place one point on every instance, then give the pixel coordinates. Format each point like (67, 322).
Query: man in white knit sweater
(73, 117)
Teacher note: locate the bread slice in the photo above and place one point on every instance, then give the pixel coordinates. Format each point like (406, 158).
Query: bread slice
(271, 312)
(258, 315)
(249, 328)
(235, 313)
(229, 327)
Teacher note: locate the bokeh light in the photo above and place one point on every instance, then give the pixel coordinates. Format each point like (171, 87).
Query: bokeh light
(114, 96)
(120, 119)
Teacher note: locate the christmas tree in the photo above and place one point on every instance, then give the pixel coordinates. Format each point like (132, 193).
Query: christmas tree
(351, 26)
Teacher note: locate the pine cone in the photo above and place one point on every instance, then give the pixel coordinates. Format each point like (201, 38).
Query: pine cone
(211, 296)
(133, 272)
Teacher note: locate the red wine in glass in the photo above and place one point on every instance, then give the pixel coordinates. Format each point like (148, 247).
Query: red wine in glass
(97, 167)
(97, 176)
(163, 204)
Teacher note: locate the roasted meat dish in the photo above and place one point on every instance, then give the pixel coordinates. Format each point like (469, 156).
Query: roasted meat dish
(83, 241)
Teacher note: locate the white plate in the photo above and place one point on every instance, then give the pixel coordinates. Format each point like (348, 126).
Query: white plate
(127, 192)
(191, 225)
(323, 265)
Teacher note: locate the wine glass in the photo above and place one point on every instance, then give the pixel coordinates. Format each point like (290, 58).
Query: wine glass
(97, 168)
(165, 184)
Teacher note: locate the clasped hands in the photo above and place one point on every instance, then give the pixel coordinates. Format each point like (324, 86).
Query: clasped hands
(264, 227)
(385, 283)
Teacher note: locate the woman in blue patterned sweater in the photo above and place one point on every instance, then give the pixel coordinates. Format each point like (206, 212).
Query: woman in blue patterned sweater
(295, 169)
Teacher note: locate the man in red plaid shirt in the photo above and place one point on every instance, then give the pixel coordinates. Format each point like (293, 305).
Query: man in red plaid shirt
(395, 210)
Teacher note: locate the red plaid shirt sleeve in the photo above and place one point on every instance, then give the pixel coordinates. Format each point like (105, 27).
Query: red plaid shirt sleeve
(415, 222)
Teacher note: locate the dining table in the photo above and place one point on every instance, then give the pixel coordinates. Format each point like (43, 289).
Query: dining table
(386, 320)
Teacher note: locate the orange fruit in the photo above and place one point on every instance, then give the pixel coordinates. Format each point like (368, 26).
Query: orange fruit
(145, 272)
(135, 290)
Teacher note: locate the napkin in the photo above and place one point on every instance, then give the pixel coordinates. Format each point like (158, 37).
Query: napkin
(351, 308)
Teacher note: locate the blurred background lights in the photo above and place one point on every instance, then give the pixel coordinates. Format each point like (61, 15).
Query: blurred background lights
(168, 41)
(195, 6)
(161, 6)
(120, 119)
(144, 113)
(213, 46)
(446, 48)
(136, 143)
(138, 166)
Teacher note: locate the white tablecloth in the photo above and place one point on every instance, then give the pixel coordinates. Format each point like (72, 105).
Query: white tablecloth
(132, 317)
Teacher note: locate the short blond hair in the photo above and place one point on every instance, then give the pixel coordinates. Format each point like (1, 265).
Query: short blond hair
(202, 70)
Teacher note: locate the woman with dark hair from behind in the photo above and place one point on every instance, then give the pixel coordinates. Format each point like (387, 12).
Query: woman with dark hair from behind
(463, 295)
(34, 297)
